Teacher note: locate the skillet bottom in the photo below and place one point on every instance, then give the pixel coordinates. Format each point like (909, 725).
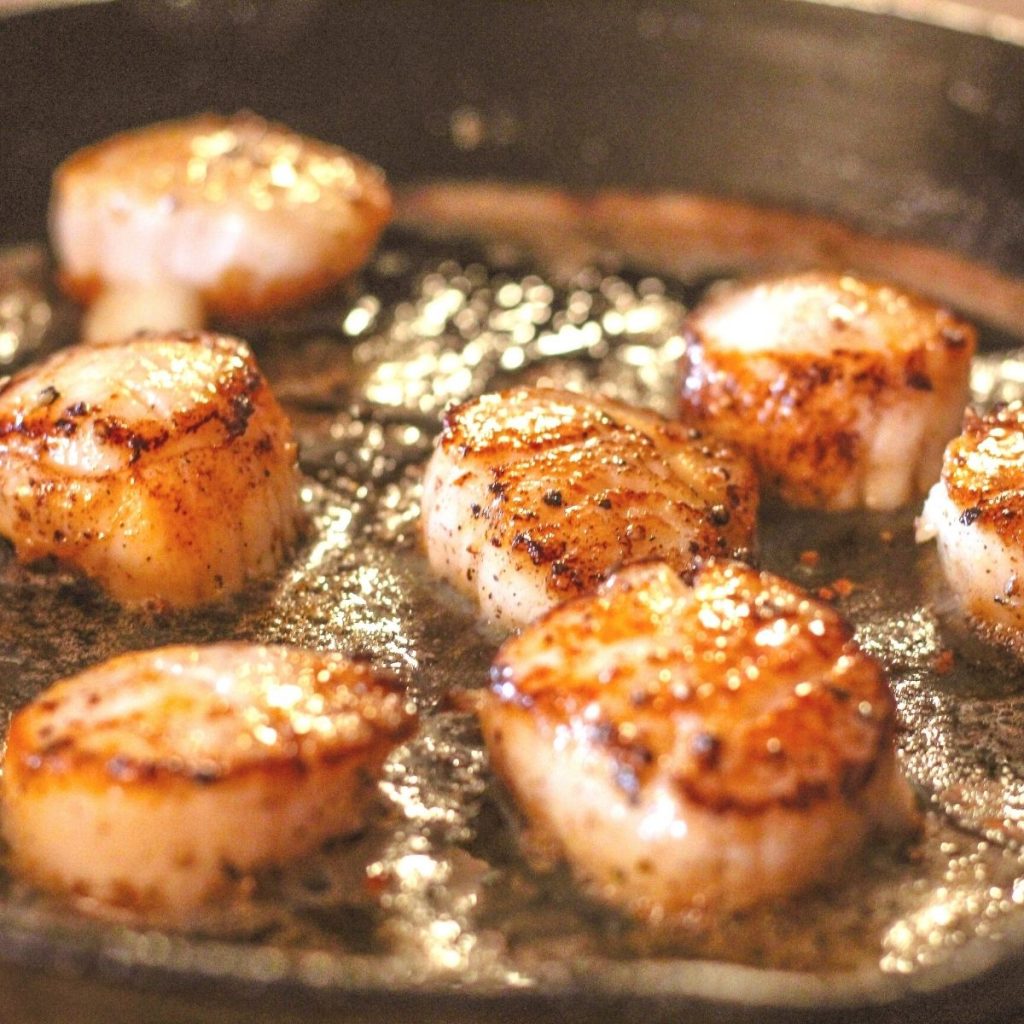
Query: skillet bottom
(435, 900)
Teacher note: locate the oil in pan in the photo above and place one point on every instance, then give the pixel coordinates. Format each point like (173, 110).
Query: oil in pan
(437, 889)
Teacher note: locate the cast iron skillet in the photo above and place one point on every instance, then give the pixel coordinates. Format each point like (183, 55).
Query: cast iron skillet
(895, 126)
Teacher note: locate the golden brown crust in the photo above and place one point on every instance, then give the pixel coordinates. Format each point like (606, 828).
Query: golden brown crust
(983, 471)
(239, 389)
(805, 422)
(518, 422)
(163, 158)
(347, 711)
(549, 503)
(747, 692)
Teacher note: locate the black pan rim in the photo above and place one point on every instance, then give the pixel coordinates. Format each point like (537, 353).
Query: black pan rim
(955, 15)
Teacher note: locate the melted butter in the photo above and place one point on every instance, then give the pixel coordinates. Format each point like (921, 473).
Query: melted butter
(31, 320)
(440, 886)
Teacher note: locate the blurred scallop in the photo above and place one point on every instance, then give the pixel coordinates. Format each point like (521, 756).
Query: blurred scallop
(236, 217)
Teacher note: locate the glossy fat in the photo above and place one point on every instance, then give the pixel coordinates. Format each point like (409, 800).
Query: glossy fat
(147, 785)
(160, 466)
(534, 495)
(705, 746)
(844, 390)
(244, 212)
(976, 513)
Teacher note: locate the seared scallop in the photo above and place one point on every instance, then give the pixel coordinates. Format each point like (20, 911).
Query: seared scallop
(146, 786)
(976, 513)
(845, 391)
(699, 746)
(161, 466)
(233, 215)
(536, 495)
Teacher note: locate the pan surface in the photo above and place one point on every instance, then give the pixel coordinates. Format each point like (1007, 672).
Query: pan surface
(903, 129)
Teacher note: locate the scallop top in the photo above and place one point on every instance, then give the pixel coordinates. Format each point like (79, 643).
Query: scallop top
(820, 313)
(741, 688)
(206, 713)
(586, 483)
(216, 160)
(523, 421)
(97, 408)
(983, 470)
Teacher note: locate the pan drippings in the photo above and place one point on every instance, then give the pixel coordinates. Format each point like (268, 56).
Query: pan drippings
(440, 887)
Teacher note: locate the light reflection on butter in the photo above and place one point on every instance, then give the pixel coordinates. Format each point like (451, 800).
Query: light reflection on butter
(461, 327)
(997, 377)
(334, 534)
(433, 888)
(912, 942)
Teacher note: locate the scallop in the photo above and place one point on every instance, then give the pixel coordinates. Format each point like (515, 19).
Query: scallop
(696, 746)
(233, 216)
(845, 391)
(161, 466)
(976, 513)
(148, 786)
(535, 495)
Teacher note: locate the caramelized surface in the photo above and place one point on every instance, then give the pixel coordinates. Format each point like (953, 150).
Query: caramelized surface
(536, 495)
(203, 715)
(746, 691)
(161, 466)
(844, 390)
(984, 471)
(691, 750)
